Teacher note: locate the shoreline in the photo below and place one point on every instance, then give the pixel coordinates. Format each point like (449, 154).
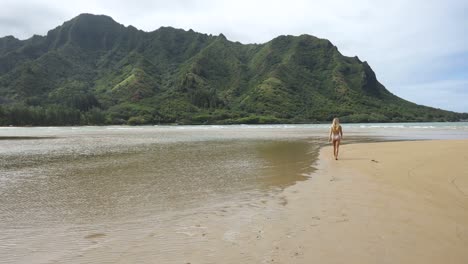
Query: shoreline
(356, 210)
(327, 122)
(385, 202)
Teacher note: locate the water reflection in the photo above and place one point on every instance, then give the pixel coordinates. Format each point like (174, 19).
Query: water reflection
(134, 183)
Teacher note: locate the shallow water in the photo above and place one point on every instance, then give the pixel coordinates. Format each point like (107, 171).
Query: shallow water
(64, 189)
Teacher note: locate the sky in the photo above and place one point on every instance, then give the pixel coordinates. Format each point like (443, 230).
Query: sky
(418, 49)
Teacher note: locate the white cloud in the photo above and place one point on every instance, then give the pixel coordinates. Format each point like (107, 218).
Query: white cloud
(405, 42)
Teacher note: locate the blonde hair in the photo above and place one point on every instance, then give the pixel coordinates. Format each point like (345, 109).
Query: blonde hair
(335, 124)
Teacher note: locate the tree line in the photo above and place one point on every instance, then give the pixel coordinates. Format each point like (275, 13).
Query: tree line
(50, 115)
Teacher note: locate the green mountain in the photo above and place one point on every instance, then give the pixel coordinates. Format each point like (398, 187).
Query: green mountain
(93, 70)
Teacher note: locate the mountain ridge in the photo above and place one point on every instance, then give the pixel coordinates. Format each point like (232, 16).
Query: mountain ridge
(93, 70)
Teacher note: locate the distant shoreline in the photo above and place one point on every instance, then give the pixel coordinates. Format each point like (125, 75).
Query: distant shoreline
(23, 138)
(246, 124)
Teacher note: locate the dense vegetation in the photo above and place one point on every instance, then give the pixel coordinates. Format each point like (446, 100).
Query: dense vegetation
(92, 70)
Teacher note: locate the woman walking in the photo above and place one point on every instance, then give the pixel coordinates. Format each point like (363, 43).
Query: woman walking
(336, 134)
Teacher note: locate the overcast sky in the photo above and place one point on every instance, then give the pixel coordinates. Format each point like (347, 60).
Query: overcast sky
(418, 48)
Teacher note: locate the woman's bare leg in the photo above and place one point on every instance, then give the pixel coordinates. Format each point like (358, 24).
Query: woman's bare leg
(337, 148)
(334, 148)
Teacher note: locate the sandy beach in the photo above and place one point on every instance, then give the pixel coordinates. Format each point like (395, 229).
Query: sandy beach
(394, 202)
